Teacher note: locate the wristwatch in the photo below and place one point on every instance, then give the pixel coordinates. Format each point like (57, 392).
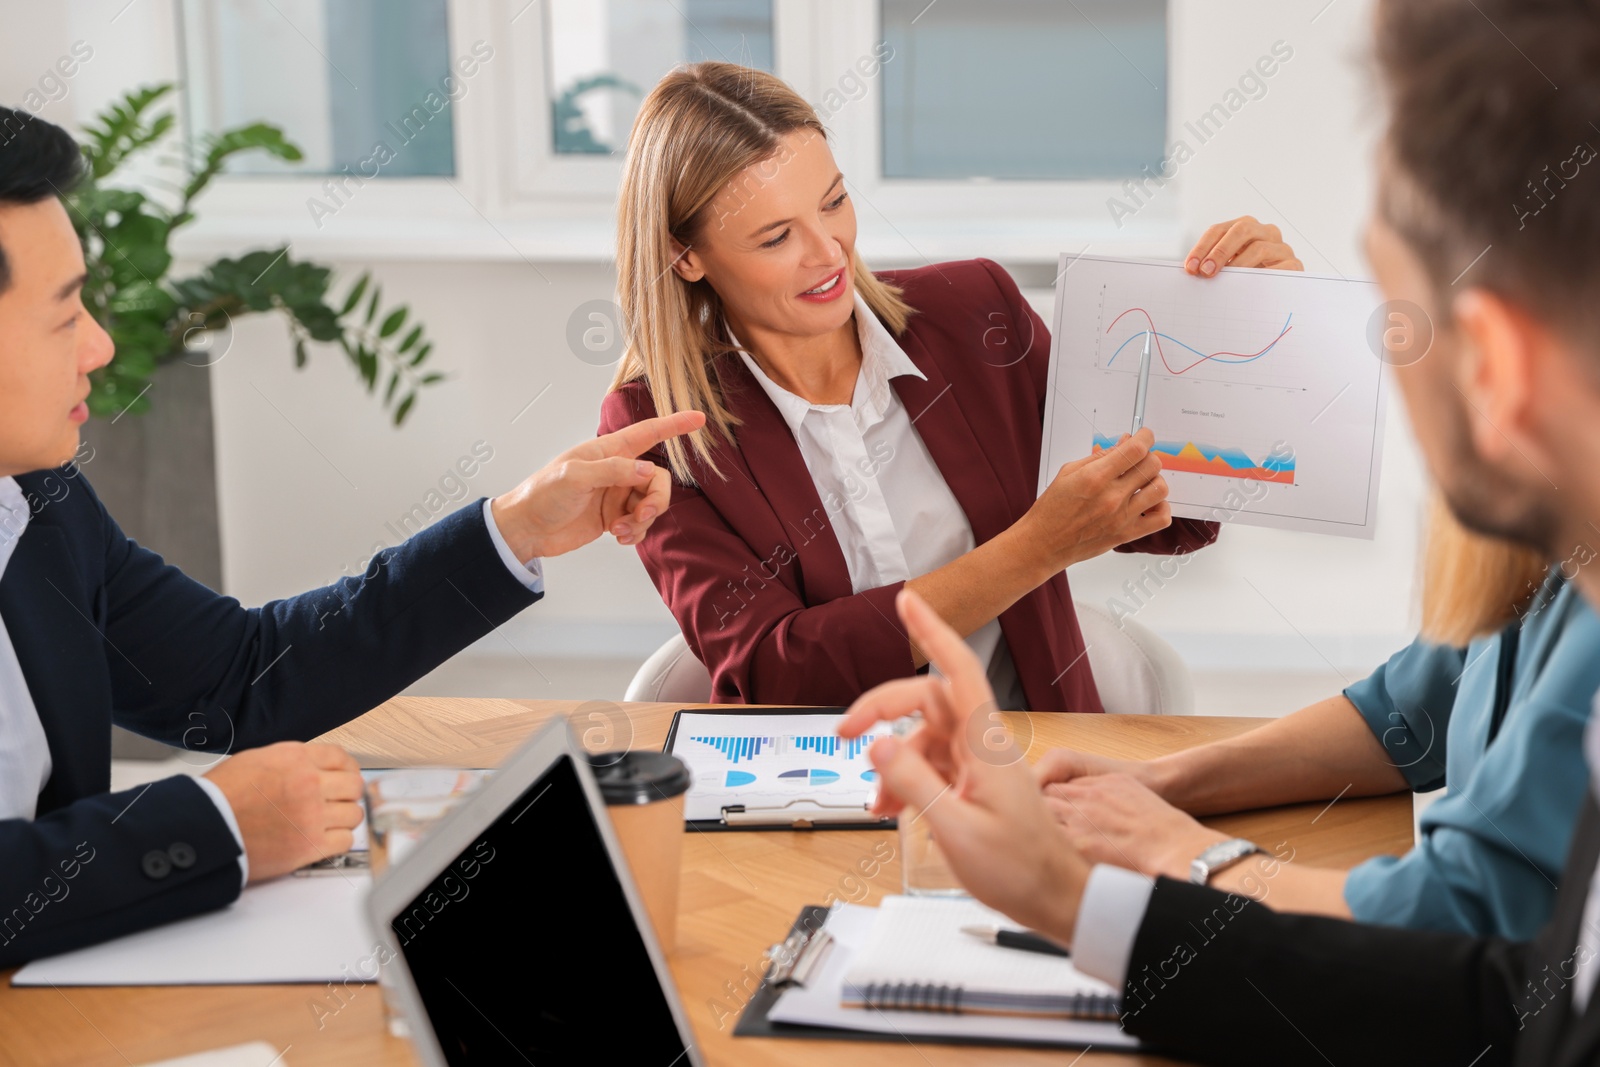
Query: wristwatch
(1219, 857)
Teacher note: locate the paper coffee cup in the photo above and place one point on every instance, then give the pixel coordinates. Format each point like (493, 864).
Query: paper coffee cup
(644, 796)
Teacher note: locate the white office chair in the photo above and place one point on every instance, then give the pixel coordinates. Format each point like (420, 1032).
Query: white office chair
(672, 674)
(1136, 671)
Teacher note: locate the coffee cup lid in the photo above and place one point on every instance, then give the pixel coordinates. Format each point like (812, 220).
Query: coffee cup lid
(639, 777)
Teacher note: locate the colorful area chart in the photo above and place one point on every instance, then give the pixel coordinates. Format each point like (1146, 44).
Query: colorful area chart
(1210, 459)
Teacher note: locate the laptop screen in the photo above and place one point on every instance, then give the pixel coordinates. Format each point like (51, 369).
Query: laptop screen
(525, 949)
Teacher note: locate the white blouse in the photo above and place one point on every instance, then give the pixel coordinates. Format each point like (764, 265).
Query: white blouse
(893, 514)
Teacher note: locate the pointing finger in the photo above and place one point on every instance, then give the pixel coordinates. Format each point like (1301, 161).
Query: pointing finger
(642, 436)
(969, 684)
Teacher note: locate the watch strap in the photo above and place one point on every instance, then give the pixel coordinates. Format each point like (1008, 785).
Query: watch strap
(1220, 857)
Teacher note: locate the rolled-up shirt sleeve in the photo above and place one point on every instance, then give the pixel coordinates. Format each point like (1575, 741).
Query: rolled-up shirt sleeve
(1490, 854)
(1407, 703)
(1492, 851)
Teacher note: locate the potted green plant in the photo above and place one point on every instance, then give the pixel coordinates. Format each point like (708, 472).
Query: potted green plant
(157, 474)
(156, 320)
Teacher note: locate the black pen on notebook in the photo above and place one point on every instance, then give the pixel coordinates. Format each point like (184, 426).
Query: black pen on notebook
(1020, 939)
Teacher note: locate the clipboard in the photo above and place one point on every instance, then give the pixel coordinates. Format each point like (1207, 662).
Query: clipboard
(797, 959)
(800, 814)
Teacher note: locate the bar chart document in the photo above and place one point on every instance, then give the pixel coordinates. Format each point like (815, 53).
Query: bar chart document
(1264, 396)
(774, 763)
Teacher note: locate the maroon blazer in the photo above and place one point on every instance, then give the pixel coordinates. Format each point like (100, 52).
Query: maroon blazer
(749, 563)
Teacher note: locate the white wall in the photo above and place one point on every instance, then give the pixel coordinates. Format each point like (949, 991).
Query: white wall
(311, 472)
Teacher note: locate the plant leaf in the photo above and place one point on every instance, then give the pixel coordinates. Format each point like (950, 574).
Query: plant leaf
(411, 339)
(369, 367)
(404, 409)
(260, 136)
(120, 130)
(354, 298)
(422, 354)
(372, 305)
(393, 322)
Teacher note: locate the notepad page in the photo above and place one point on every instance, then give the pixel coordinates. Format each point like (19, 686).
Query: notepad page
(919, 940)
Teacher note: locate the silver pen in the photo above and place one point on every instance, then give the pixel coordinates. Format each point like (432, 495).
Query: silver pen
(1144, 383)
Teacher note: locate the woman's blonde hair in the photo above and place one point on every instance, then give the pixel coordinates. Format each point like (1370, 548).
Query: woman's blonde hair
(1473, 585)
(697, 131)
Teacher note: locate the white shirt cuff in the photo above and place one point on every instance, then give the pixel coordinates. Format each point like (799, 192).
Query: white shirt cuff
(1109, 917)
(531, 573)
(225, 809)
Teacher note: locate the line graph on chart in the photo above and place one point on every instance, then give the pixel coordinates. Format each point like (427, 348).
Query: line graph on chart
(1264, 398)
(1198, 345)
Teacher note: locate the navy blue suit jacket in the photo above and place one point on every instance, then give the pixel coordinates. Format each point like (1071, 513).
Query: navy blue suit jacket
(107, 632)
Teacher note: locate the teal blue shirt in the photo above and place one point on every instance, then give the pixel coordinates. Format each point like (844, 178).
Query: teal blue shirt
(1491, 850)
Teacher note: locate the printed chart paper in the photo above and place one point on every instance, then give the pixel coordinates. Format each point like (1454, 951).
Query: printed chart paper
(768, 761)
(1264, 396)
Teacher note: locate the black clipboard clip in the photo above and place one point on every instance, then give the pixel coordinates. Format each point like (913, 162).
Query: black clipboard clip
(802, 814)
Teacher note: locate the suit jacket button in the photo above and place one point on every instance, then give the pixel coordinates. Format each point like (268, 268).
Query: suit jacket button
(181, 854)
(156, 864)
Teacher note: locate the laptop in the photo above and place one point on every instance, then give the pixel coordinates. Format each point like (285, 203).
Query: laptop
(514, 932)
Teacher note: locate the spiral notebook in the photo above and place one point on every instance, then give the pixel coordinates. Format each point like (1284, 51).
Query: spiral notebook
(803, 997)
(917, 958)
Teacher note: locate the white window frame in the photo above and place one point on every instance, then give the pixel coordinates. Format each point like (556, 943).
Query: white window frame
(514, 197)
(929, 219)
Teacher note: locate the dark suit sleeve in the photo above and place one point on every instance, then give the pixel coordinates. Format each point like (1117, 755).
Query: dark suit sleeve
(1184, 535)
(1218, 978)
(762, 644)
(110, 865)
(194, 668)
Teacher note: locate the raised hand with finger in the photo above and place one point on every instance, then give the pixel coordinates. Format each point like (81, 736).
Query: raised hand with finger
(992, 824)
(598, 486)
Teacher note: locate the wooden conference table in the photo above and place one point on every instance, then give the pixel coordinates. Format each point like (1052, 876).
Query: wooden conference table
(739, 894)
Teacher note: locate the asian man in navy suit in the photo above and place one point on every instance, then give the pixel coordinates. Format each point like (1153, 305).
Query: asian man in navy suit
(95, 629)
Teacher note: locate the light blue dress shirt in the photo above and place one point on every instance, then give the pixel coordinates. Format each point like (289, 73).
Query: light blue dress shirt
(1491, 851)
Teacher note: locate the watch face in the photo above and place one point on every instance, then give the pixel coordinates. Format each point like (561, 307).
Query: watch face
(1231, 850)
(1219, 856)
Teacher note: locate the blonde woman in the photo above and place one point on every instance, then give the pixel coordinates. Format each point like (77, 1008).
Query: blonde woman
(1491, 701)
(863, 433)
